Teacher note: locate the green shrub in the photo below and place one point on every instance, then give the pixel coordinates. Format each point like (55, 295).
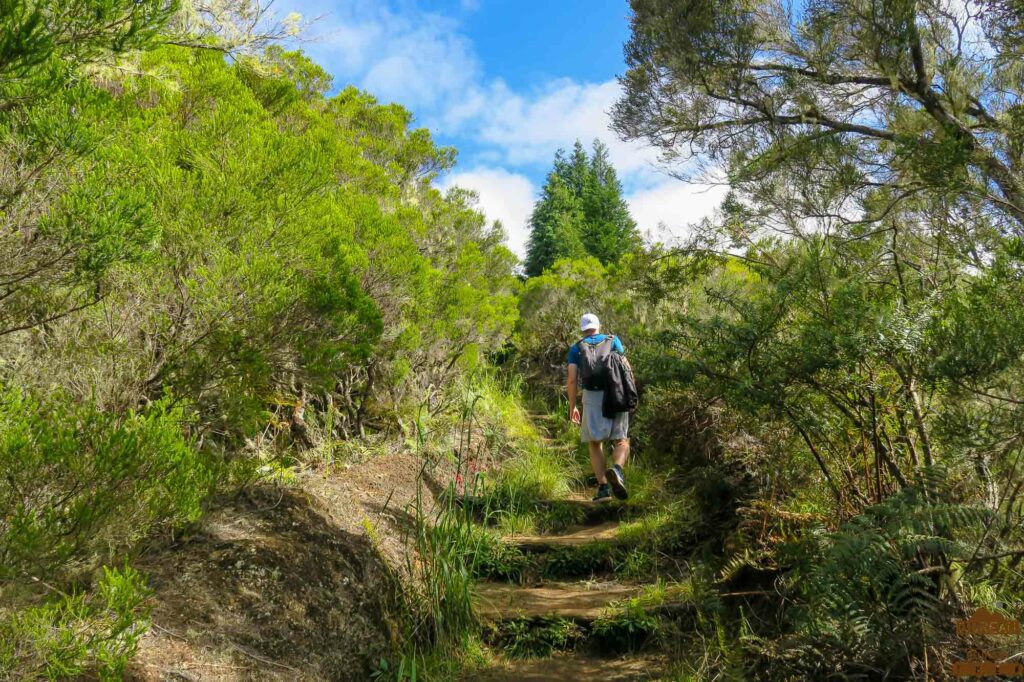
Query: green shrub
(874, 593)
(81, 484)
(592, 558)
(490, 558)
(629, 630)
(73, 634)
(536, 638)
(556, 516)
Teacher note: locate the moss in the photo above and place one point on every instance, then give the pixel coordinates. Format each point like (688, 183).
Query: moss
(625, 630)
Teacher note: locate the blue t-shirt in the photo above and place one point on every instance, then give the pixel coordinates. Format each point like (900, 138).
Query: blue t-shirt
(574, 351)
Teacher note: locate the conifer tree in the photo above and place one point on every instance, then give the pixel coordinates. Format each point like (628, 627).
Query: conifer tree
(609, 229)
(581, 212)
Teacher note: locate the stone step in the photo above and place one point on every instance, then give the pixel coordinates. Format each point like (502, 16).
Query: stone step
(583, 601)
(576, 666)
(572, 537)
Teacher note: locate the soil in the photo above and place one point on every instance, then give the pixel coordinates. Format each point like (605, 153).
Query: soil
(563, 600)
(288, 583)
(578, 667)
(572, 537)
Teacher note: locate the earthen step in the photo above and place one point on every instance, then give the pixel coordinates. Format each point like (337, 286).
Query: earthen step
(578, 667)
(582, 500)
(495, 601)
(573, 537)
(578, 506)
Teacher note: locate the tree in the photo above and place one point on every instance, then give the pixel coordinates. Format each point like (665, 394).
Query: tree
(581, 212)
(66, 218)
(887, 103)
(555, 227)
(609, 231)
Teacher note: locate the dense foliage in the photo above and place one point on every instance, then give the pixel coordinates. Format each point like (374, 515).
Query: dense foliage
(580, 213)
(833, 362)
(207, 263)
(842, 340)
(200, 250)
(846, 424)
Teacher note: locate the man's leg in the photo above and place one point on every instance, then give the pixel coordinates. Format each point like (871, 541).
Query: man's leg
(620, 453)
(604, 491)
(597, 460)
(616, 479)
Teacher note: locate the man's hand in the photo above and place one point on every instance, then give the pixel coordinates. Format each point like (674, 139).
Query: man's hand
(574, 415)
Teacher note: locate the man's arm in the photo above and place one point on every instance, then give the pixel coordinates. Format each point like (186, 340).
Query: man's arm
(570, 388)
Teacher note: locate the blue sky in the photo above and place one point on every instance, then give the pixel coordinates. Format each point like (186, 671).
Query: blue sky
(527, 41)
(506, 82)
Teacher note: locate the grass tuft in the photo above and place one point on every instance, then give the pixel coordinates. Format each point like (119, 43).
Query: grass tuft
(536, 637)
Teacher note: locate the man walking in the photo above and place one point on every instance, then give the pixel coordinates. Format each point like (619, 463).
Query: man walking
(587, 360)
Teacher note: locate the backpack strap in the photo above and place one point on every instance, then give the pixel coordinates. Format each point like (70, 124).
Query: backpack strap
(579, 344)
(608, 337)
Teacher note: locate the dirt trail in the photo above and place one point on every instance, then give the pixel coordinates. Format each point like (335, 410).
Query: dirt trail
(578, 668)
(302, 583)
(571, 537)
(555, 600)
(560, 602)
(522, 607)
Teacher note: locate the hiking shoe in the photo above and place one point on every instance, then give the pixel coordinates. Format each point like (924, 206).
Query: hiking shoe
(617, 481)
(604, 493)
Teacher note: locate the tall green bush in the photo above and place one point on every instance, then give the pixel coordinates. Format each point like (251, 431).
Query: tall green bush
(196, 252)
(81, 484)
(73, 635)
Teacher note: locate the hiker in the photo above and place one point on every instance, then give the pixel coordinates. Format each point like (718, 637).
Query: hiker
(587, 360)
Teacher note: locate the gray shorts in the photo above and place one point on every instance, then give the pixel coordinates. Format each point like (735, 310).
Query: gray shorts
(595, 426)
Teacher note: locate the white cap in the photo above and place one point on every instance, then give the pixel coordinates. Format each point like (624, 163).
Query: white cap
(589, 321)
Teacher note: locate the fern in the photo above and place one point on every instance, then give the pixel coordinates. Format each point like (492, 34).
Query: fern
(868, 592)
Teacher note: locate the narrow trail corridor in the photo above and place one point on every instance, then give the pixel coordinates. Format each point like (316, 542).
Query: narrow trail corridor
(579, 611)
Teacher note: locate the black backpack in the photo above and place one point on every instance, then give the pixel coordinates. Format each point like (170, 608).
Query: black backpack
(620, 394)
(594, 358)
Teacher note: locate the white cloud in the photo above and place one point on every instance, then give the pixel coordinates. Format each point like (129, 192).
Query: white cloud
(400, 54)
(529, 128)
(504, 196)
(422, 60)
(665, 211)
(423, 66)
